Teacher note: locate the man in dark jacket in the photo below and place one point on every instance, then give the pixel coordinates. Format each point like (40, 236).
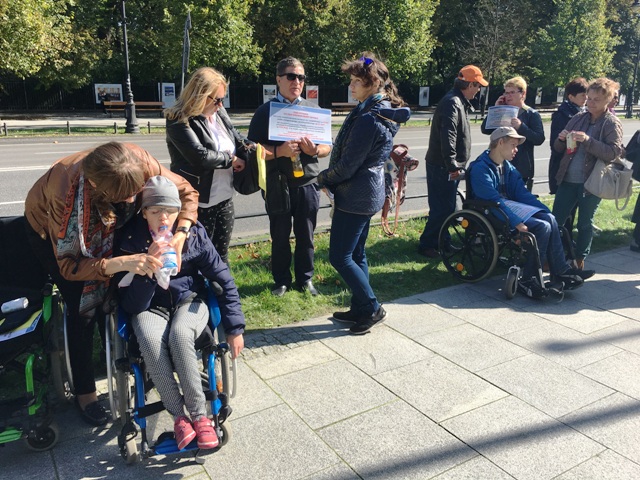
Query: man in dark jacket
(528, 123)
(448, 153)
(303, 190)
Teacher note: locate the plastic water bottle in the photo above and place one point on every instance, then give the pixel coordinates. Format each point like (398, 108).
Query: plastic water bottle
(15, 305)
(168, 257)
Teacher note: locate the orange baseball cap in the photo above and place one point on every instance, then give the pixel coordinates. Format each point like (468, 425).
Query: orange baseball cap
(471, 73)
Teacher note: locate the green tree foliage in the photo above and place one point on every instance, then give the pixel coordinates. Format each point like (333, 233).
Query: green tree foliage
(577, 42)
(397, 30)
(32, 33)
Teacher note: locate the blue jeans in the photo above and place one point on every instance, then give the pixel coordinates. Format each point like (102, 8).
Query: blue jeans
(349, 233)
(567, 197)
(442, 203)
(545, 228)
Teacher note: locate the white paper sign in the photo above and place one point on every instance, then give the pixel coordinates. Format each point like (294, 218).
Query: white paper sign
(168, 94)
(423, 99)
(539, 96)
(560, 95)
(108, 91)
(290, 122)
(312, 93)
(500, 116)
(268, 92)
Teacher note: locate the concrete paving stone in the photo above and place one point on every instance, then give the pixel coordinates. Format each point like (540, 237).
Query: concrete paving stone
(618, 259)
(408, 445)
(291, 360)
(618, 371)
(627, 307)
(470, 347)
(625, 335)
(417, 318)
(606, 466)
(380, 350)
(438, 388)
(495, 317)
(576, 315)
(340, 471)
(329, 392)
(521, 440)
(452, 297)
(20, 463)
(271, 444)
(253, 395)
(613, 421)
(562, 345)
(544, 384)
(600, 293)
(478, 468)
(99, 457)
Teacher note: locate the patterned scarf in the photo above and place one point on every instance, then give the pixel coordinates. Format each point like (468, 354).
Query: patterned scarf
(83, 234)
(343, 134)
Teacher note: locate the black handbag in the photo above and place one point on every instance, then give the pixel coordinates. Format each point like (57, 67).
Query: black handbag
(633, 154)
(245, 182)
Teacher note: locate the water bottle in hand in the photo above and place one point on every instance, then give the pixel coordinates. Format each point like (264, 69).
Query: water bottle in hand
(169, 258)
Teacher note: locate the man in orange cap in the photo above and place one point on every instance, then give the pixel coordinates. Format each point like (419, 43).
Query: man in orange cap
(449, 151)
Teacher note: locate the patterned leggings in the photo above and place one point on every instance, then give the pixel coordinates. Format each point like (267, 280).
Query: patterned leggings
(162, 342)
(218, 222)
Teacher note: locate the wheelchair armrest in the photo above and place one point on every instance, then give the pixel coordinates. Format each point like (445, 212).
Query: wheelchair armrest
(477, 203)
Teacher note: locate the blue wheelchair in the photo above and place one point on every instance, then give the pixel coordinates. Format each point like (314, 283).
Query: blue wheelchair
(129, 384)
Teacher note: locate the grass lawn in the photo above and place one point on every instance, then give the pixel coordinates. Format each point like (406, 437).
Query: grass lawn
(396, 270)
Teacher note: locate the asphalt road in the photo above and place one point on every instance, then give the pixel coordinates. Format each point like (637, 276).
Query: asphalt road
(23, 161)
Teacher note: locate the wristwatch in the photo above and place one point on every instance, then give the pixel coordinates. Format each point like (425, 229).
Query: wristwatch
(184, 230)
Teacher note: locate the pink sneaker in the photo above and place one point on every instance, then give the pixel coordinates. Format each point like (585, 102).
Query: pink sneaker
(207, 437)
(184, 432)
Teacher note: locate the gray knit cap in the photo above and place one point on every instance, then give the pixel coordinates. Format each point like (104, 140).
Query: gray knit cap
(160, 191)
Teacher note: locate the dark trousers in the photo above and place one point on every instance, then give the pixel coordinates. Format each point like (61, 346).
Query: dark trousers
(218, 222)
(349, 232)
(305, 202)
(80, 331)
(442, 203)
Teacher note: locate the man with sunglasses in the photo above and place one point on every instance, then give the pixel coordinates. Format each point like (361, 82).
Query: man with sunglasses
(303, 190)
(528, 123)
(448, 153)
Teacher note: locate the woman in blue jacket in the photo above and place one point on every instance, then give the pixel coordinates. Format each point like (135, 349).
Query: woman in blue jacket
(355, 178)
(167, 322)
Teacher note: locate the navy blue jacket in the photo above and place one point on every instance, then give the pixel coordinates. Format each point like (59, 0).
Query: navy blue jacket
(485, 185)
(199, 258)
(532, 129)
(357, 177)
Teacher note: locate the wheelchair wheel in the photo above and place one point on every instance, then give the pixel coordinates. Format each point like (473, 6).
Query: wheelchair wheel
(118, 381)
(222, 366)
(511, 284)
(42, 438)
(468, 246)
(59, 355)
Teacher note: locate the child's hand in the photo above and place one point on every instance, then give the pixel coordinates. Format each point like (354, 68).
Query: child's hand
(236, 344)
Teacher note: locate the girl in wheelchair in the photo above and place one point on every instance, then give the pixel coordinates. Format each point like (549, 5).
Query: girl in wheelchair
(492, 178)
(167, 322)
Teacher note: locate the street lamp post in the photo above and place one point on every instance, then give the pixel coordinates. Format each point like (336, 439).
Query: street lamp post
(631, 101)
(130, 107)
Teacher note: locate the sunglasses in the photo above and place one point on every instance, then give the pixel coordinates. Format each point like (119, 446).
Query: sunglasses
(216, 101)
(292, 76)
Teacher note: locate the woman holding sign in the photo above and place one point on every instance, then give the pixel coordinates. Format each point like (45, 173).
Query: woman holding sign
(204, 148)
(355, 178)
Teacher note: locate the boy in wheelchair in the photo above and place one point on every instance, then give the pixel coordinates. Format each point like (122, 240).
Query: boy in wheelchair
(168, 321)
(492, 178)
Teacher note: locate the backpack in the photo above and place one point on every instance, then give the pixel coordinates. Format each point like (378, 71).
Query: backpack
(396, 168)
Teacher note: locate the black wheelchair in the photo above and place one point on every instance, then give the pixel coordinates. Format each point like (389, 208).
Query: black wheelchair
(129, 383)
(33, 345)
(473, 241)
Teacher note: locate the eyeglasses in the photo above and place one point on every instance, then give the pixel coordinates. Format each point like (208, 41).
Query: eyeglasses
(292, 76)
(216, 101)
(160, 210)
(513, 92)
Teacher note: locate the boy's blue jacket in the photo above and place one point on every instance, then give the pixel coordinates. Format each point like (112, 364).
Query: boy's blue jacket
(199, 255)
(485, 185)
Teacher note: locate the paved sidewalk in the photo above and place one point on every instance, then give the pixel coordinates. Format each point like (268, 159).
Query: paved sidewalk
(457, 383)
